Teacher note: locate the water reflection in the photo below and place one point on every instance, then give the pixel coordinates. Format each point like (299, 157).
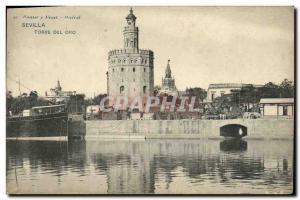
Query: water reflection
(233, 145)
(151, 166)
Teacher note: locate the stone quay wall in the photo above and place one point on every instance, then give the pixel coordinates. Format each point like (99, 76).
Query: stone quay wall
(177, 129)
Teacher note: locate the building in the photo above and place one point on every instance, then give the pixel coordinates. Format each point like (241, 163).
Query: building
(168, 83)
(277, 106)
(73, 101)
(219, 89)
(57, 95)
(130, 70)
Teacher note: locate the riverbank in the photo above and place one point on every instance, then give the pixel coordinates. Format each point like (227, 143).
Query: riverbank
(182, 129)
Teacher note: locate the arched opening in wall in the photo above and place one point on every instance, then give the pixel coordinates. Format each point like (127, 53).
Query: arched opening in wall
(122, 69)
(144, 89)
(144, 69)
(233, 131)
(122, 88)
(133, 69)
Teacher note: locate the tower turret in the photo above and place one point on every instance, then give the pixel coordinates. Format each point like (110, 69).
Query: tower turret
(131, 34)
(168, 72)
(168, 83)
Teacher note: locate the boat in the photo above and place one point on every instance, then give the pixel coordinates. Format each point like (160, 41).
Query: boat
(40, 121)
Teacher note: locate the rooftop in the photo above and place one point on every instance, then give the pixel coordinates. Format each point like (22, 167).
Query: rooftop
(227, 85)
(276, 100)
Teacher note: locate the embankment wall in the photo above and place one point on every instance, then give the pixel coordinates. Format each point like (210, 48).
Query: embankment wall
(256, 128)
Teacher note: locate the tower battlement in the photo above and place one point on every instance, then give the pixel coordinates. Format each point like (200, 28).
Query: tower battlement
(130, 51)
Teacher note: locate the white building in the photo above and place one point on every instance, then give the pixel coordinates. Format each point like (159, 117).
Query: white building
(57, 95)
(219, 89)
(130, 70)
(277, 106)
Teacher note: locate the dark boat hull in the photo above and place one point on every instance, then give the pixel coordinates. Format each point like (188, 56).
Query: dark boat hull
(51, 125)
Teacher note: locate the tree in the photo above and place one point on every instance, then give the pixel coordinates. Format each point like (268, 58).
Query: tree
(157, 88)
(270, 90)
(286, 89)
(98, 98)
(9, 101)
(198, 92)
(17, 104)
(33, 99)
(94, 101)
(249, 95)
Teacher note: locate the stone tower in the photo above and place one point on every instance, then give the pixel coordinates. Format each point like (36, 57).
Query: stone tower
(130, 70)
(168, 83)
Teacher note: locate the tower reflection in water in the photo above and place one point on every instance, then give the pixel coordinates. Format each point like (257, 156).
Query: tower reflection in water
(150, 166)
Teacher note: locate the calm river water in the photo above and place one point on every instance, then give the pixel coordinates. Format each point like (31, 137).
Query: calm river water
(150, 167)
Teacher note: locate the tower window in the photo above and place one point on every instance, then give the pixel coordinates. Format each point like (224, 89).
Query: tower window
(145, 61)
(133, 69)
(144, 69)
(122, 89)
(144, 89)
(122, 69)
(113, 70)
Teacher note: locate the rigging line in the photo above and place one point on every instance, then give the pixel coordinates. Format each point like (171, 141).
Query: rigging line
(18, 82)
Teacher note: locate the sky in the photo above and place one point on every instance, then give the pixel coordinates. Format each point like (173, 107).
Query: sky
(205, 45)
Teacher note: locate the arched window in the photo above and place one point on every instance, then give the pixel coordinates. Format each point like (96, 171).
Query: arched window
(122, 69)
(144, 89)
(122, 89)
(144, 69)
(145, 61)
(133, 69)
